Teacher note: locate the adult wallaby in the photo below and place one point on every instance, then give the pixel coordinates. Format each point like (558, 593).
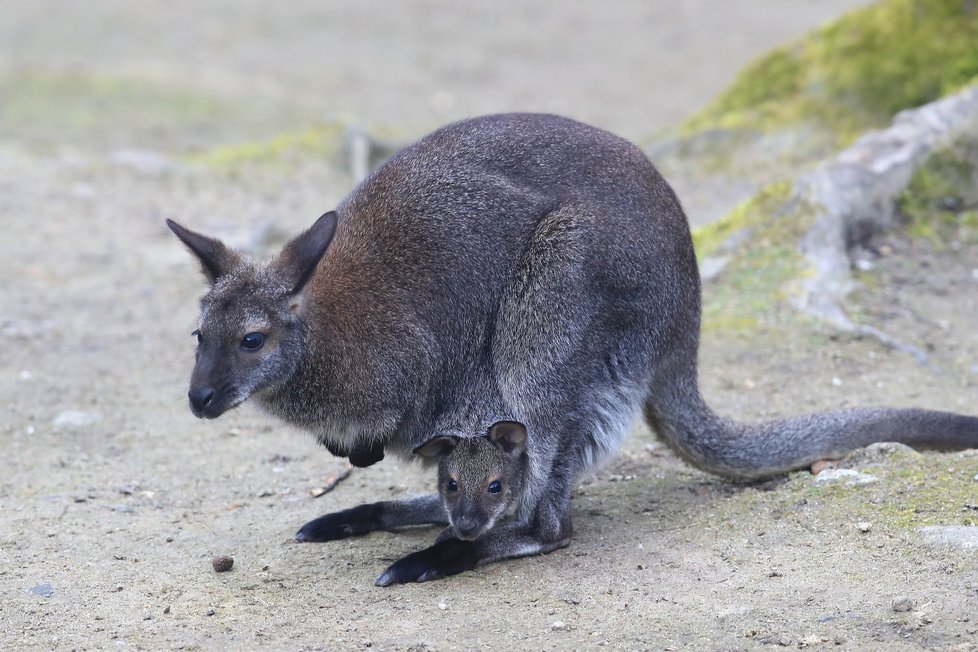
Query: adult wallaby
(510, 267)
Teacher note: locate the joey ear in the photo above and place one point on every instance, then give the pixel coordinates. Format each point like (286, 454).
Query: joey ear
(302, 254)
(509, 436)
(437, 448)
(215, 258)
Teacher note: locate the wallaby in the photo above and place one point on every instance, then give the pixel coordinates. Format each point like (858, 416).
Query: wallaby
(480, 479)
(516, 267)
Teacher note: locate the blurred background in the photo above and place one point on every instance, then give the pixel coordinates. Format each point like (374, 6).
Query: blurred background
(182, 74)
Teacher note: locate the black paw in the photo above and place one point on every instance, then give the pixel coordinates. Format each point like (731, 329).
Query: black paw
(340, 525)
(448, 557)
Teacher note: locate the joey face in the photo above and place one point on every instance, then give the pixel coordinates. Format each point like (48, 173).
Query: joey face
(479, 478)
(251, 334)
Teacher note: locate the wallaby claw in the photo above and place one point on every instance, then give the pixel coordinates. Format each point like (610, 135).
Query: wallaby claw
(340, 525)
(449, 557)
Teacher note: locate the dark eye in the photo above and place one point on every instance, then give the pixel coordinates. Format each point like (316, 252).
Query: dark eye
(495, 487)
(197, 334)
(252, 341)
(452, 485)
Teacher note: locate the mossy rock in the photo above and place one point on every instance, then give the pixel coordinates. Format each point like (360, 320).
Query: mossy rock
(759, 240)
(857, 72)
(941, 202)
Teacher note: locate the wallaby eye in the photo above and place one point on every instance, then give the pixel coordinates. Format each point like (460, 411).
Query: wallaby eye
(495, 487)
(197, 334)
(252, 341)
(452, 485)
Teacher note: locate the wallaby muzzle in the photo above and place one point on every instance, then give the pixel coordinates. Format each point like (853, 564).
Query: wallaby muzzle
(210, 394)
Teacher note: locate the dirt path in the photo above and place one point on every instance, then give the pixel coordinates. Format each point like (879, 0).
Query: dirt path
(113, 499)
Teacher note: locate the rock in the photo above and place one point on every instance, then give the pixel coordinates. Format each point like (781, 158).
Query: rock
(559, 626)
(222, 563)
(75, 419)
(957, 536)
(845, 475)
(712, 266)
(864, 526)
(44, 590)
(902, 604)
(853, 195)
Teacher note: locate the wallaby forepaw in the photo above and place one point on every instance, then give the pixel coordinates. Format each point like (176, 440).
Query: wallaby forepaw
(340, 525)
(445, 558)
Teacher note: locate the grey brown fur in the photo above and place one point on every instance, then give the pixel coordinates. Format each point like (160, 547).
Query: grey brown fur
(512, 267)
(480, 479)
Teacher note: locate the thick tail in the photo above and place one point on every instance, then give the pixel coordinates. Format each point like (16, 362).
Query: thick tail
(709, 442)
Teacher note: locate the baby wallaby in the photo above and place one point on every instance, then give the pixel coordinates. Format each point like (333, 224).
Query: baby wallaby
(480, 479)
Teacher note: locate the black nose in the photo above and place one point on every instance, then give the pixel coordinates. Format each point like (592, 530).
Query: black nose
(201, 397)
(465, 525)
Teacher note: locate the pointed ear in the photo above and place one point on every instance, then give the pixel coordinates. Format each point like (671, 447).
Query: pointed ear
(299, 258)
(509, 436)
(215, 258)
(437, 448)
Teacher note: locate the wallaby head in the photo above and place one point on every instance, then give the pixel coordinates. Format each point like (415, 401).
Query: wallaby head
(479, 478)
(250, 334)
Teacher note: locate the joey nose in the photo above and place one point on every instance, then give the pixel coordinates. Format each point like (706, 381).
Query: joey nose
(201, 398)
(465, 526)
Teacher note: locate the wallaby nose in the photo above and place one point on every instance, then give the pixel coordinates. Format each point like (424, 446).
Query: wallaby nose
(465, 525)
(201, 397)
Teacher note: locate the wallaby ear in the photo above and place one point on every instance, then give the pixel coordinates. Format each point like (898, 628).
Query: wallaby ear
(509, 436)
(437, 448)
(215, 258)
(300, 257)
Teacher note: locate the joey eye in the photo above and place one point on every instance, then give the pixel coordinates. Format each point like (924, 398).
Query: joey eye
(495, 487)
(252, 341)
(197, 334)
(452, 485)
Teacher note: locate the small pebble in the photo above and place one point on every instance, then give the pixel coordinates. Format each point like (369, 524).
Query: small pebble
(559, 626)
(848, 476)
(44, 590)
(222, 563)
(864, 526)
(442, 606)
(902, 604)
(211, 612)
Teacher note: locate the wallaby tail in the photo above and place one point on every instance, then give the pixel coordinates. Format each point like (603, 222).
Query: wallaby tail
(709, 442)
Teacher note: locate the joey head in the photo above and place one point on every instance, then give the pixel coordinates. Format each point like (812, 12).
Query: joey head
(480, 479)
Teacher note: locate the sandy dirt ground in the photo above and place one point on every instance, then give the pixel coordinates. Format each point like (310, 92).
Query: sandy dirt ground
(114, 499)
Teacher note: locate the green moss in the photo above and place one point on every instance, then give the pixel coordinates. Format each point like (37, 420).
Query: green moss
(856, 72)
(756, 279)
(321, 141)
(939, 202)
(45, 108)
(913, 490)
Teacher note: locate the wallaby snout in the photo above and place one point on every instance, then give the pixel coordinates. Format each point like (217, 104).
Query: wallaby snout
(466, 526)
(201, 398)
